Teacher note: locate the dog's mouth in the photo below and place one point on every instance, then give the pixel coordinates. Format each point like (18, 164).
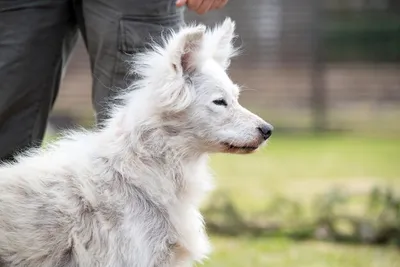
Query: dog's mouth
(231, 148)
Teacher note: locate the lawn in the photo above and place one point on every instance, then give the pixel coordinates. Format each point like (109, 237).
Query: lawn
(301, 166)
(281, 252)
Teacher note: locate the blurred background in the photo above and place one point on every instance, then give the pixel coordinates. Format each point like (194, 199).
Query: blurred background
(326, 190)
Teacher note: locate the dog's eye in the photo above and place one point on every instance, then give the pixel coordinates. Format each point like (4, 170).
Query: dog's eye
(220, 102)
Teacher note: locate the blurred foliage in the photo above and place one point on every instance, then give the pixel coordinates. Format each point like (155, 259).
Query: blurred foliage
(330, 219)
(362, 36)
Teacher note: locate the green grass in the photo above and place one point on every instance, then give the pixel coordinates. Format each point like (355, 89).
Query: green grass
(300, 167)
(281, 252)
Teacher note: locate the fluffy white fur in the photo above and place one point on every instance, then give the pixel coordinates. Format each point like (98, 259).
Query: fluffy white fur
(128, 194)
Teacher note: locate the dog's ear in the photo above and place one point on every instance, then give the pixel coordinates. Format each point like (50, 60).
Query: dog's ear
(185, 48)
(222, 40)
(182, 50)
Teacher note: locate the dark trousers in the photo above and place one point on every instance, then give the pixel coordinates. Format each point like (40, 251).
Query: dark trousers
(36, 38)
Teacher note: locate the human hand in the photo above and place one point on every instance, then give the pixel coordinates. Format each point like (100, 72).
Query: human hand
(202, 6)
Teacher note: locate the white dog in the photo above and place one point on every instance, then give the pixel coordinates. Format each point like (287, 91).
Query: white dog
(128, 194)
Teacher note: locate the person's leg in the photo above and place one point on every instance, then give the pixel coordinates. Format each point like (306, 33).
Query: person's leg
(114, 30)
(32, 35)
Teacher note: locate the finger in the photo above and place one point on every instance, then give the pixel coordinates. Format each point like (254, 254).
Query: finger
(220, 4)
(180, 3)
(205, 6)
(194, 4)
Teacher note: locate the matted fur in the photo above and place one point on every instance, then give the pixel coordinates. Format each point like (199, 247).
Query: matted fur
(128, 194)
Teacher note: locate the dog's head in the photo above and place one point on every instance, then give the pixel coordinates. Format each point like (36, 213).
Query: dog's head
(194, 95)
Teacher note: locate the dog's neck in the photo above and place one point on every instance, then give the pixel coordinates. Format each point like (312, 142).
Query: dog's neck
(175, 171)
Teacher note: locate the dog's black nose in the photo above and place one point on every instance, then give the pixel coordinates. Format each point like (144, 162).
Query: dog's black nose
(265, 130)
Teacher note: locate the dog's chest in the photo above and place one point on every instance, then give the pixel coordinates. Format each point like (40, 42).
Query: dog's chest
(173, 234)
(191, 240)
